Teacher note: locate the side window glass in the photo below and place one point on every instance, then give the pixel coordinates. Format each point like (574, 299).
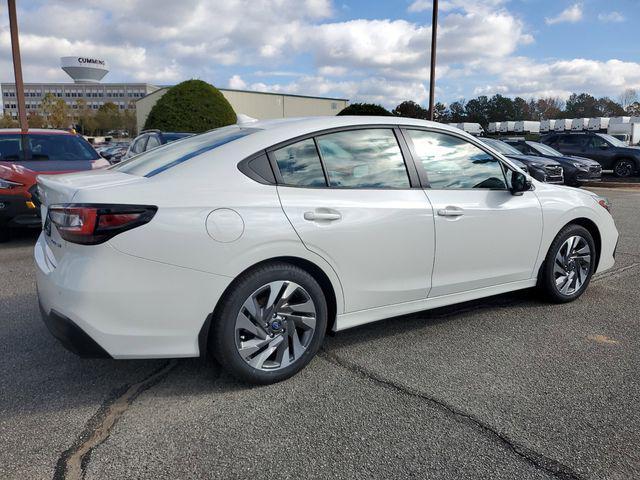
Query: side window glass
(299, 164)
(451, 162)
(138, 145)
(368, 158)
(153, 142)
(597, 142)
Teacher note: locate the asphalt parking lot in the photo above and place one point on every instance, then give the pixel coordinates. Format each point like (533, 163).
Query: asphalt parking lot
(507, 387)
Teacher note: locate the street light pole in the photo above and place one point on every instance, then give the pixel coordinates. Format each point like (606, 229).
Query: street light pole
(434, 41)
(17, 65)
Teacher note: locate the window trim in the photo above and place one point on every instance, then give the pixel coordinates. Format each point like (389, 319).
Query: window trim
(409, 165)
(424, 178)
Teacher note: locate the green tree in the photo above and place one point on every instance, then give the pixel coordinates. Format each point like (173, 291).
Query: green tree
(56, 111)
(457, 111)
(108, 117)
(86, 119)
(499, 108)
(365, 109)
(6, 121)
(440, 113)
(521, 109)
(581, 105)
(35, 120)
(477, 110)
(410, 109)
(191, 106)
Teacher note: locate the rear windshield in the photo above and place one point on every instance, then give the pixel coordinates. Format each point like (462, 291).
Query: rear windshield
(158, 160)
(53, 147)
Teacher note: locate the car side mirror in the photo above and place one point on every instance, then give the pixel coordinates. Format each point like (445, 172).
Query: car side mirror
(519, 183)
(604, 147)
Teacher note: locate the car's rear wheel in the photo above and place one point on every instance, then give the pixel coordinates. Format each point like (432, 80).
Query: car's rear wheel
(569, 264)
(624, 168)
(271, 324)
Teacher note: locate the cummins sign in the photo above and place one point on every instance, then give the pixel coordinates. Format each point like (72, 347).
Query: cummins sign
(92, 60)
(84, 69)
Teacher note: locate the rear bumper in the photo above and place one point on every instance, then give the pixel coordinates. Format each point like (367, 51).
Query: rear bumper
(14, 212)
(72, 337)
(96, 299)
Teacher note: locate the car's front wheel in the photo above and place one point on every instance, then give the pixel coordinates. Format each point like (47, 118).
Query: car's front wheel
(569, 264)
(271, 324)
(624, 168)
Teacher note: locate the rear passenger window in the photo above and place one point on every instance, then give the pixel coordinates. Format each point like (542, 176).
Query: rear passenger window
(299, 164)
(368, 158)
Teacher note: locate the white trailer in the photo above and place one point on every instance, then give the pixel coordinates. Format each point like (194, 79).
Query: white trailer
(579, 124)
(493, 127)
(547, 126)
(507, 127)
(615, 120)
(471, 128)
(598, 123)
(627, 132)
(527, 126)
(562, 125)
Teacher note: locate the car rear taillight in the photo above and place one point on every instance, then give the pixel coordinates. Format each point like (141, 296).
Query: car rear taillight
(91, 224)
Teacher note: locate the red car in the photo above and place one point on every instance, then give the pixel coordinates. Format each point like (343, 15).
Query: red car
(25, 156)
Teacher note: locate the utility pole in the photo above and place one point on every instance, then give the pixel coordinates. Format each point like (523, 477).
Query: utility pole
(434, 42)
(17, 65)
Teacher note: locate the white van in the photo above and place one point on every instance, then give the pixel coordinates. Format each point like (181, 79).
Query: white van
(527, 126)
(547, 126)
(598, 123)
(579, 124)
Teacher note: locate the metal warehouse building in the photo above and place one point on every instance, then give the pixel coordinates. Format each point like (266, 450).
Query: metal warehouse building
(260, 105)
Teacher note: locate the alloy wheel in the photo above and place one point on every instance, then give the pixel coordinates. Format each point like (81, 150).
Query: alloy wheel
(572, 265)
(624, 168)
(275, 325)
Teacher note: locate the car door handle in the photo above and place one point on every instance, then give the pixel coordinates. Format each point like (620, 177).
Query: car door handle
(450, 212)
(322, 216)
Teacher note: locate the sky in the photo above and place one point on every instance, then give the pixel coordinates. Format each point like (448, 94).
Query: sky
(365, 51)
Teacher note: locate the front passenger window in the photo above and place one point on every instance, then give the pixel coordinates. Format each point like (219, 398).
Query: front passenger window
(453, 163)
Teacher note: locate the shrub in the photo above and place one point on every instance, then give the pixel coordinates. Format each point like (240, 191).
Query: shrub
(191, 106)
(365, 109)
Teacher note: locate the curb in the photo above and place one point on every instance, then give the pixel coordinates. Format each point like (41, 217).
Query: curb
(634, 186)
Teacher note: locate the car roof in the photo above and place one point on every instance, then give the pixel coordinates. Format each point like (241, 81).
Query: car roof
(35, 131)
(327, 122)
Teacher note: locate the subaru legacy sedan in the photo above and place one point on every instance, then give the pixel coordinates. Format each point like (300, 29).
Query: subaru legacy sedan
(252, 241)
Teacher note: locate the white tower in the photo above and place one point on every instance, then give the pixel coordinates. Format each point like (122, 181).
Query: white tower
(84, 69)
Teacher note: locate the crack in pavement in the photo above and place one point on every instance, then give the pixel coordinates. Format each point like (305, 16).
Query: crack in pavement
(615, 272)
(73, 462)
(537, 460)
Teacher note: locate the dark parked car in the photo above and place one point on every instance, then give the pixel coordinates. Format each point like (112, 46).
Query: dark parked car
(24, 156)
(540, 168)
(149, 139)
(576, 169)
(608, 151)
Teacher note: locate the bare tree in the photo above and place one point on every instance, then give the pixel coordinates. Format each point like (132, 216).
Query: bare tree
(628, 98)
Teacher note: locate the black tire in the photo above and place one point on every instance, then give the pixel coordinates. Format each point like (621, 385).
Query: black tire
(547, 280)
(223, 328)
(624, 168)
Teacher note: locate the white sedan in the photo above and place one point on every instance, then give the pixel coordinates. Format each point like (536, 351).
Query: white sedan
(252, 241)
